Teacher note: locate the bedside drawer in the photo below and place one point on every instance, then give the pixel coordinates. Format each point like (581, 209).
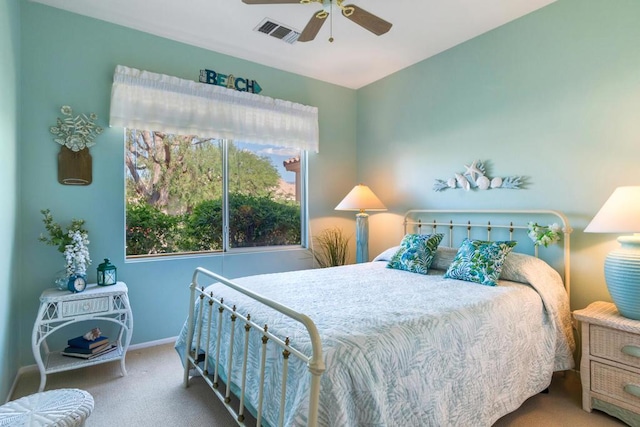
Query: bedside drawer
(612, 344)
(616, 383)
(85, 306)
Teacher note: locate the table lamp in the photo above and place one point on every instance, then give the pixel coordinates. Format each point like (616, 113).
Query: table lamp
(621, 214)
(359, 199)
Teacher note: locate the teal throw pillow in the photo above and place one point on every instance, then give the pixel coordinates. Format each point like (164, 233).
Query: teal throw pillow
(416, 253)
(479, 261)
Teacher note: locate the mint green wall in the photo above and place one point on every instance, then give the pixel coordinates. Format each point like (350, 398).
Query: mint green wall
(553, 96)
(9, 137)
(69, 60)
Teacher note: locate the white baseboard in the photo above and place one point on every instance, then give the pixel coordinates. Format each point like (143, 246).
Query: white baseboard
(20, 372)
(34, 367)
(153, 343)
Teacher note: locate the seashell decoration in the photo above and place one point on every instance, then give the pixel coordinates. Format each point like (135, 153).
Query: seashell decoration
(463, 182)
(93, 334)
(475, 178)
(483, 182)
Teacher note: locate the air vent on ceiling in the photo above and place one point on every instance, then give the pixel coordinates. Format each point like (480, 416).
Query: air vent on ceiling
(277, 30)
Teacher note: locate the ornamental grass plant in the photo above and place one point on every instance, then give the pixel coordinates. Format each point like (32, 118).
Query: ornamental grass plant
(331, 247)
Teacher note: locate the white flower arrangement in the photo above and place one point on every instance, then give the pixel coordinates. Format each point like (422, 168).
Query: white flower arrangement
(545, 236)
(75, 133)
(73, 243)
(77, 254)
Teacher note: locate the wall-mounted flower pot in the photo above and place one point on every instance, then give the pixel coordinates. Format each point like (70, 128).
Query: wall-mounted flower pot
(74, 167)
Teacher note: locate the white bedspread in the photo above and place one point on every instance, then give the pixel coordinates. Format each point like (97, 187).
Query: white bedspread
(407, 349)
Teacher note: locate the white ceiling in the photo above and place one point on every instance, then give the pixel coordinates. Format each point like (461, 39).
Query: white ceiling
(421, 28)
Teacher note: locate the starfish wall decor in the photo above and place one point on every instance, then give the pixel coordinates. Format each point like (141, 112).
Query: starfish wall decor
(475, 178)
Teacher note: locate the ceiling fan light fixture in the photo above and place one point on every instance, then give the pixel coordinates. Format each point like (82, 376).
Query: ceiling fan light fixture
(348, 10)
(355, 14)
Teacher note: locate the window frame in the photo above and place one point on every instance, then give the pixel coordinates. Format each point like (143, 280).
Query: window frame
(226, 247)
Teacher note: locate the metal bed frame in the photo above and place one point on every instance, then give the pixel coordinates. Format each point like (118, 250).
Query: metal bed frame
(422, 219)
(197, 360)
(315, 361)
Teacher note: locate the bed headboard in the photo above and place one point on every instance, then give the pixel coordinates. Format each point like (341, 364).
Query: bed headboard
(456, 225)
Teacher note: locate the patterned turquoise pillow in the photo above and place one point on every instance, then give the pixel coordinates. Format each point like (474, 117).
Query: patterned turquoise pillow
(416, 253)
(479, 261)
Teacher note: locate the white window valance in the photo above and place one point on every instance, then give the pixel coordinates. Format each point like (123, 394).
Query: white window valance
(145, 100)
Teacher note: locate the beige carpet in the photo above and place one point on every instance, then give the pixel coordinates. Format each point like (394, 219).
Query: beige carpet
(152, 395)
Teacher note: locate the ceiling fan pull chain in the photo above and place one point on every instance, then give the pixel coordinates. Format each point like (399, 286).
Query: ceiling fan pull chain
(331, 23)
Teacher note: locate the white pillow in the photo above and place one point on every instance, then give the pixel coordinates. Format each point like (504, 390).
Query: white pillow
(443, 258)
(387, 254)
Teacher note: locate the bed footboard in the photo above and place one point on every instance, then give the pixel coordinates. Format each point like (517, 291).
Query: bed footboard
(198, 358)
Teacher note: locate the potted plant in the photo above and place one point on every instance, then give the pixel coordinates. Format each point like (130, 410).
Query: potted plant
(331, 247)
(72, 244)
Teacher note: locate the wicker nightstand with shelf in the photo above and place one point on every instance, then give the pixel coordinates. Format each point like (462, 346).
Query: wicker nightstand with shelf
(59, 309)
(610, 365)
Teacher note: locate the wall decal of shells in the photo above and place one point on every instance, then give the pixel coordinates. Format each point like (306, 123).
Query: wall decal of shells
(474, 178)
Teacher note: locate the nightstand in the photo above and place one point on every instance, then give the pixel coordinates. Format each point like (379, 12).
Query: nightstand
(610, 365)
(62, 308)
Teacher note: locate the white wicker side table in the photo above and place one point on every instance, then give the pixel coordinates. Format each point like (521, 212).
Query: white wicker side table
(59, 309)
(610, 365)
(65, 407)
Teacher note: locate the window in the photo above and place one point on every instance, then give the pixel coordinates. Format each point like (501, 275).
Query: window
(185, 194)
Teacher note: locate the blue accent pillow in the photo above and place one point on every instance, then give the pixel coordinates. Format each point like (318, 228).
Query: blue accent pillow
(416, 253)
(479, 261)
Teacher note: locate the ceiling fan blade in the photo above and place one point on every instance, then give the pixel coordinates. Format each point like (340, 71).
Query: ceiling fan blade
(269, 1)
(313, 26)
(366, 20)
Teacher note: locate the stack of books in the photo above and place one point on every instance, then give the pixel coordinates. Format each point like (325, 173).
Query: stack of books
(86, 349)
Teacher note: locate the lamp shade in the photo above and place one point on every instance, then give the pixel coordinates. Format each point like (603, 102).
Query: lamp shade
(361, 198)
(619, 214)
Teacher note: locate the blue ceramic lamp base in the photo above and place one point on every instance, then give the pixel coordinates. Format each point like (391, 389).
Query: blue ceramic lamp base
(622, 273)
(362, 237)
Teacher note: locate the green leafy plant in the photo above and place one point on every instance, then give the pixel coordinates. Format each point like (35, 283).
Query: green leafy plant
(256, 221)
(332, 247)
(150, 231)
(57, 236)
(545, 236)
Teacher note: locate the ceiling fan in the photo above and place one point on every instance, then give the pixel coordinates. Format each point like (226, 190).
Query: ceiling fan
(369, 21)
